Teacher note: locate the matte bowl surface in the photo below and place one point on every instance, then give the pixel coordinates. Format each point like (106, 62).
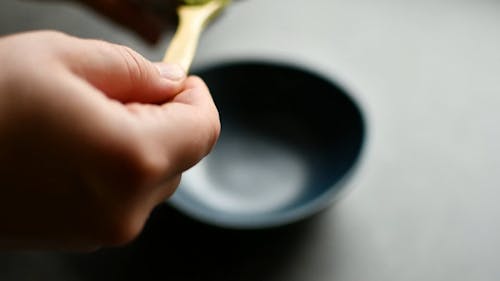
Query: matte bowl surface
(289, 138)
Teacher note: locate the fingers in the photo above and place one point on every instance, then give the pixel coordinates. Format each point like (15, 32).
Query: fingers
(144, 141)
(124, 75)
(117, 71)
(181, 131)
(146, 144)
(153, 141)
(165, 190)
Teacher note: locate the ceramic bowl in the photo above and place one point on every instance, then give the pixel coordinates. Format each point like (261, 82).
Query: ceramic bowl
(290, 138)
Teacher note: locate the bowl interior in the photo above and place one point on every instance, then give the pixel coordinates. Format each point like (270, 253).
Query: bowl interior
(288, 139)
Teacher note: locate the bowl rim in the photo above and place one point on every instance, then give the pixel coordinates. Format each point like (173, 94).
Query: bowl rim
(186, 205)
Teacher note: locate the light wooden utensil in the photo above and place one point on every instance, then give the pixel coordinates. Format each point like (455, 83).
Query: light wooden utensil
(193, 18)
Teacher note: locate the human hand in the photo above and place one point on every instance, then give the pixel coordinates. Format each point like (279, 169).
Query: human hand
(92, 138)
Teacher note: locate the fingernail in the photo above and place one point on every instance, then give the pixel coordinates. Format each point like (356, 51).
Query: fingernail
(171, 71)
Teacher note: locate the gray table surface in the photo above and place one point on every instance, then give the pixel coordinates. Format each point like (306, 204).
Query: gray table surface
(423, 201)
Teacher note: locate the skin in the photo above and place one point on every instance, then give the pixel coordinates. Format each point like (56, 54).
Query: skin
(92, 137)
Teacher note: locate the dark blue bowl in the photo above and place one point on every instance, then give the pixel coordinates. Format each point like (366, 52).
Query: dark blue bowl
(289, 139)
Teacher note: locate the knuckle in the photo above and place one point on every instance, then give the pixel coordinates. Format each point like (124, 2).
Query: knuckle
(124, 206)
(169, 188)
(211, 128)
(142, 164)
(208, 131)
(135, 64)
(216, 130)
(120, 229)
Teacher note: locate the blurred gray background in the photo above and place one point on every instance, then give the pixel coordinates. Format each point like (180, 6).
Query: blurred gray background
(422, 203)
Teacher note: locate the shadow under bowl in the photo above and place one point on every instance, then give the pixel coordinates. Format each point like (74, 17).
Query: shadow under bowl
(289, 139)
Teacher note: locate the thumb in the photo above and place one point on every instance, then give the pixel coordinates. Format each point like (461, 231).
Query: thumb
(123, 74)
